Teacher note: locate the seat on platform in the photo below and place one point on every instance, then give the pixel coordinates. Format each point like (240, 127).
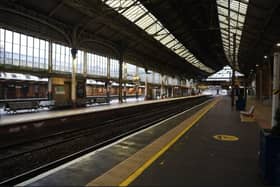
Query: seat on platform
(48, 103)
(249, 113)
(25, 105)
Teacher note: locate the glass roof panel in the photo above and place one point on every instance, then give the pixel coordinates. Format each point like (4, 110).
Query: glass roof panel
(119, 5)
(238, 11)
(154, 28)
(134, 11)
(190, 58)
(190, 55)
(167, 39)
(184, 55)
(161, 34)
(181, 51)
(178, 46)
(172, 43)
(144, 22)
(193, 61)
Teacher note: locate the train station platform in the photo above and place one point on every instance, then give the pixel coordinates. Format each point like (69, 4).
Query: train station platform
(25, 116)
(29, 116)
(209, 146)
(14, 118)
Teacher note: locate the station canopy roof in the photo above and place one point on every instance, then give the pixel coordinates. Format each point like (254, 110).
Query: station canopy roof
(189, 38)
(224, 74)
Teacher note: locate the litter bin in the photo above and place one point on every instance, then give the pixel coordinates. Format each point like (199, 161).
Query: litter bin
(240, 104)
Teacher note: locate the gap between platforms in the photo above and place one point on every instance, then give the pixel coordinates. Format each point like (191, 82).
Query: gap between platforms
(127, 171)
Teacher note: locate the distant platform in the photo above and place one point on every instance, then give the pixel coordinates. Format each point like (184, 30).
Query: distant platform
(9, 119)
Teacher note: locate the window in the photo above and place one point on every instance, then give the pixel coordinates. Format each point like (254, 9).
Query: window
(96, 64)
(43, 54)
(23, 50)
(80, 62)
(142, 74)
(62, 60)
(131, 71)
(2, 45)
(8, 47)
(156, 78)
(36, 53)
(114, 68)
(16, 47)
(30, 51)
(150, 76)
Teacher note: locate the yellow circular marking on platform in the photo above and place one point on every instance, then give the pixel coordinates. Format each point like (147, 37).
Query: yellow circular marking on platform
(223, 137)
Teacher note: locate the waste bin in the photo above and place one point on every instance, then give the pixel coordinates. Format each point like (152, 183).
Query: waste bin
(240, 104)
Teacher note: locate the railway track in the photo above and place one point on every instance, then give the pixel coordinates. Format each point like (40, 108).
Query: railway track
(22, 160)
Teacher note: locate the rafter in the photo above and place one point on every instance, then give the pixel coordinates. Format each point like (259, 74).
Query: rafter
(55, 9)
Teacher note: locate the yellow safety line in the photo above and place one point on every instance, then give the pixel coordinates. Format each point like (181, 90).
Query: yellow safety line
(140, 170)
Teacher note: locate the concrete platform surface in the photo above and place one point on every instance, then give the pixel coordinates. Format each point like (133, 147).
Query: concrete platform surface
(82, 170)
(179, 152)
(198, 159)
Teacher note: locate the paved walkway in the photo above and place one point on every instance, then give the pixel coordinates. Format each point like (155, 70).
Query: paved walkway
(198, 159)
(190, 154)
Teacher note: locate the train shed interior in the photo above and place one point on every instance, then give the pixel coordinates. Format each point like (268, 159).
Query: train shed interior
(139, 92)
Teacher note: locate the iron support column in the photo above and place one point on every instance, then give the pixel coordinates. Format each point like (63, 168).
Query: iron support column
(276, 74)
(49, 88)
(269, 80)
(137, 82)
(260, 83)
(50, 67)
(125, 80)
(108, 82)
(85, 65)
(74, 80)
(161, 86)
(146, 87)
(233, 70)
(120, 77)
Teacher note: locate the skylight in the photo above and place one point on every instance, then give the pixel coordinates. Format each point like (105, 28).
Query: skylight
(224, 75)
(134, 11)
(238, 11)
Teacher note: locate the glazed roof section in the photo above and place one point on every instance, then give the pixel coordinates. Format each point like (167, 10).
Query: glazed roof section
(232, 25)
(134, 11)
(224, 75)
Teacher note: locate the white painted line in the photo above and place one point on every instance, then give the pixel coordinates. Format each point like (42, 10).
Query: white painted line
(32, 180)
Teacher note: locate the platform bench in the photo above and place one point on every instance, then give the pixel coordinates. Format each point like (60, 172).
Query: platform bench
(249, 113)
(101, 100)
(26, 105)
(49, 103)
(82, 102)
